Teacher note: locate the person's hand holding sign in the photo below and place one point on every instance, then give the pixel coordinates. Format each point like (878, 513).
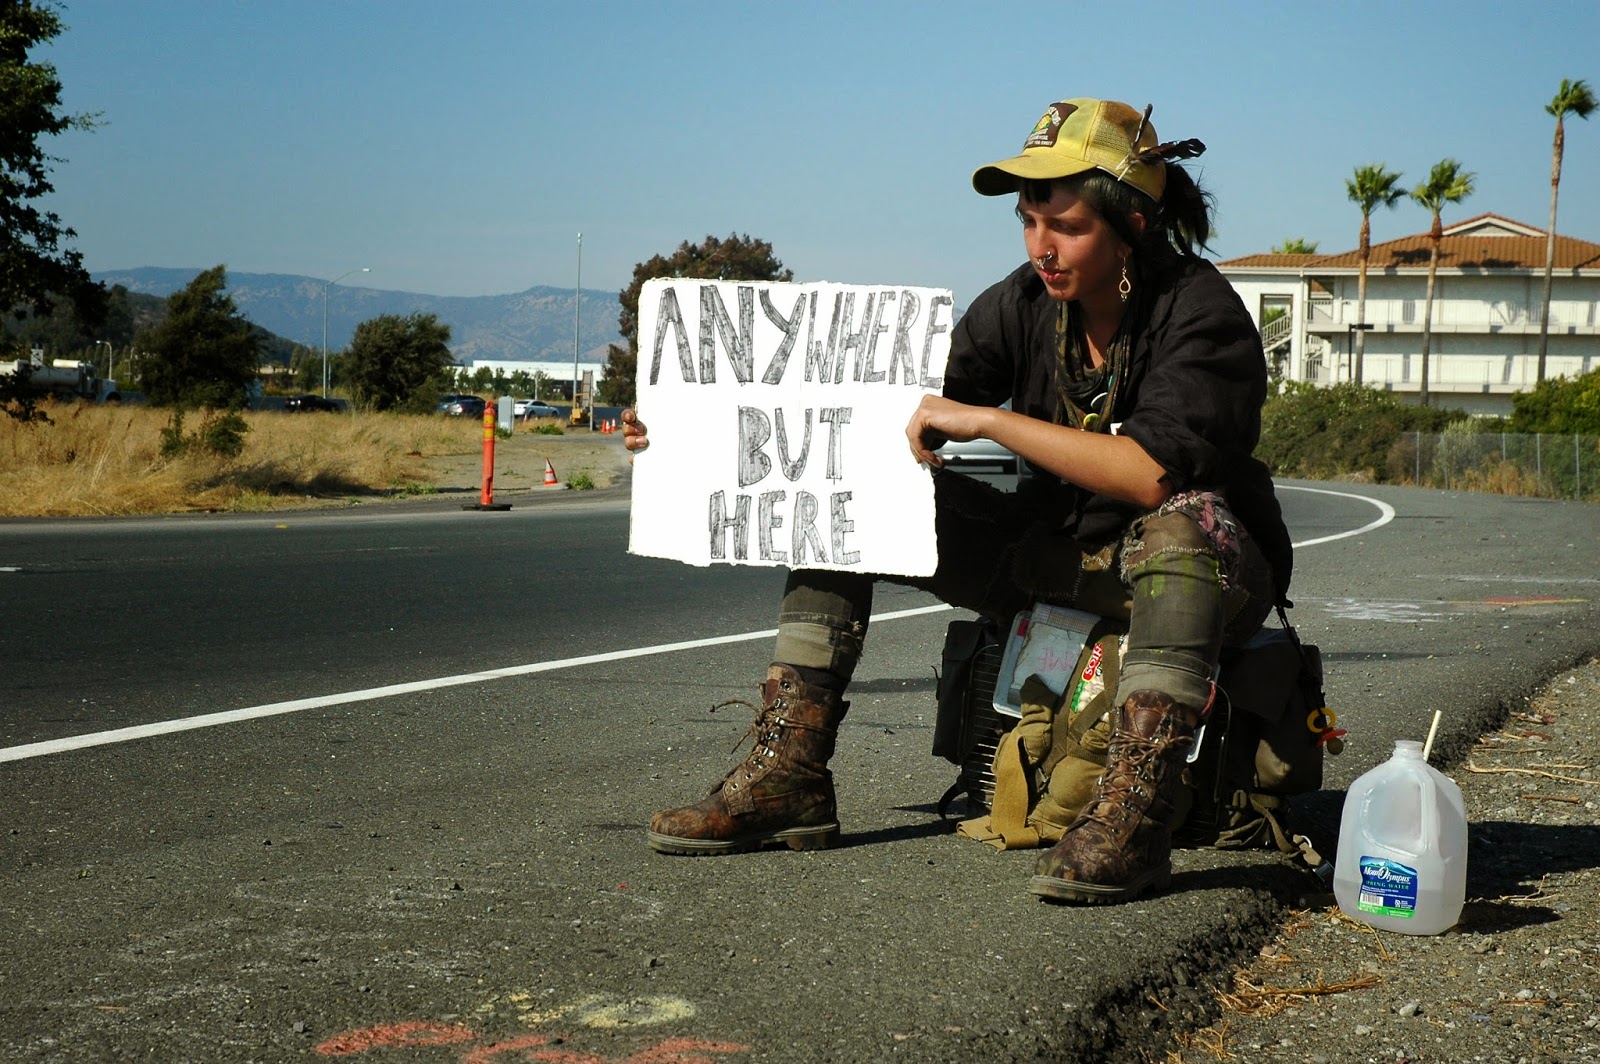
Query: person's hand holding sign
(635, 437)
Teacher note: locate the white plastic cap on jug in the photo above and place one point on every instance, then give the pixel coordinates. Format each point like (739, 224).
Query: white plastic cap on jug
(1402, 860)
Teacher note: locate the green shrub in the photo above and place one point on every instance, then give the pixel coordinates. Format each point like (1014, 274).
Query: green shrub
(221, 433)
(580, 482)
(549, 428)
(1562, 405)
(173, 442)
(1343, 430)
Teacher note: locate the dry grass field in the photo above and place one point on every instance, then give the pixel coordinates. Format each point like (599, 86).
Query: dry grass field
(106, 460)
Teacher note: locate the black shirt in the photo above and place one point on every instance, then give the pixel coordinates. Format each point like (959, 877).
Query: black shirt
(1196, 381)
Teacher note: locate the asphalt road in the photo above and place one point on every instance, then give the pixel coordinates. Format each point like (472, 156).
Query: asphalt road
(412, 827)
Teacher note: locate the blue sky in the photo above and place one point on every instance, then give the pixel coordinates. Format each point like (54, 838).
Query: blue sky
(458, 149)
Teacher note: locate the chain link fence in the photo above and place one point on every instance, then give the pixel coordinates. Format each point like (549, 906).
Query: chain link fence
(1506, 463)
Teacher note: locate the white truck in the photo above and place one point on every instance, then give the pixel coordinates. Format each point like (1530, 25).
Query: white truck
(63, 378)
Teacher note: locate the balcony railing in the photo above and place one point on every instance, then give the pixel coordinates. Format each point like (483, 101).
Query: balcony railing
(1406, 314)
(1276, 332)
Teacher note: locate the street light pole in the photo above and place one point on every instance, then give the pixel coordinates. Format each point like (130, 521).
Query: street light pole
(111, 354)
(330, 284)
(577, 307)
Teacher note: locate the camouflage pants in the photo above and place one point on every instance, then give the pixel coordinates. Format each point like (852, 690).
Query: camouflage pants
(1185, 577)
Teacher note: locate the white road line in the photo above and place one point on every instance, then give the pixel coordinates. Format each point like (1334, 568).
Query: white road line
(1385, 514)
(235, 716)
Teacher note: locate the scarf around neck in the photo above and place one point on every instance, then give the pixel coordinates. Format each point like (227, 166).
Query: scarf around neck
(1087, 394)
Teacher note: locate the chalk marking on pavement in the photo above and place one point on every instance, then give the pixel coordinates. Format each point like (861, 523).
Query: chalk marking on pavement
(1406, 612)
(1482, 578)
(248, 713)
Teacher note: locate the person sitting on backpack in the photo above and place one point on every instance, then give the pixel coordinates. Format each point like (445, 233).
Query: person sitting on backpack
(1135, 379)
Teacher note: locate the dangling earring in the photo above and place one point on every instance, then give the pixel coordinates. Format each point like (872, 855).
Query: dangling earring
(1124, 286)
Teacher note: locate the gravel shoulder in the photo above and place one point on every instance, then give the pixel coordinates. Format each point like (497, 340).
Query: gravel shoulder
(1517, 979)
(580, 459)
(519, 463)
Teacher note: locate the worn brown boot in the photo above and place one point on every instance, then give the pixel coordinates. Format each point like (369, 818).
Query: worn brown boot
(1120, 845)
(781, 794)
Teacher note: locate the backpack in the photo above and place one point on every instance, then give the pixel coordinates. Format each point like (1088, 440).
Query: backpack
(1026, 779)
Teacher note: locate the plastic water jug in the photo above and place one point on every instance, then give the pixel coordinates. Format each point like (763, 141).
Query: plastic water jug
(1402, 860)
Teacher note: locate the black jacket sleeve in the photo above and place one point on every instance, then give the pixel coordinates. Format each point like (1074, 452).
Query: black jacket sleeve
(1199, 384)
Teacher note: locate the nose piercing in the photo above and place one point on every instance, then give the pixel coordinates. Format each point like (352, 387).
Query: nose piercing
(1046, 259)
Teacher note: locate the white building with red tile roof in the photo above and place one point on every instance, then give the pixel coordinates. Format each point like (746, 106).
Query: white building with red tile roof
(1485, 337)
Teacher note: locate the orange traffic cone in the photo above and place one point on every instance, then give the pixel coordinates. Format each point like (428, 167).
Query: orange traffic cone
(549, 474)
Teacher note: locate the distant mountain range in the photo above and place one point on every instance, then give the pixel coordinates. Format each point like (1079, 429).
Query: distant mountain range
(535, 325)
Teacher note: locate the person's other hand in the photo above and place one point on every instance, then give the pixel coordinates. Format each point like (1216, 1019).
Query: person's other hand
(938, 421)
(635, 437)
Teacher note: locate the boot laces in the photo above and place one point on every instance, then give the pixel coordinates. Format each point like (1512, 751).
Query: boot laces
(1128, 786)
(764, 730)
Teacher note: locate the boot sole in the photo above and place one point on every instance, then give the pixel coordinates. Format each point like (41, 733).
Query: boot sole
(821, 837)
(1054, 888)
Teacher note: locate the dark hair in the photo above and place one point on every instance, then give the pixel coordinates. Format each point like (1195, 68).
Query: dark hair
(1180, 223)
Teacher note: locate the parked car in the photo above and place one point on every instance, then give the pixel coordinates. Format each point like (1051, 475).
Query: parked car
(526, 408)
(984, 453)
(304, 403)
(465, 406)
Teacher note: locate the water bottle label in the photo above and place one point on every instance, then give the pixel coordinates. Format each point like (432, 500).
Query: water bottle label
(1388, 888)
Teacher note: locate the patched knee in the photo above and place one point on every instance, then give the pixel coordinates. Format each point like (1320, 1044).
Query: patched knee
(1164, 534)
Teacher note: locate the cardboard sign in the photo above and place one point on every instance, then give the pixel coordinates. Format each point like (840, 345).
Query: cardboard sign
(777, 417)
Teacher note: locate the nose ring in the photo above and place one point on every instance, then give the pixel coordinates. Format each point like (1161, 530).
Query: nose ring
(1046, 259)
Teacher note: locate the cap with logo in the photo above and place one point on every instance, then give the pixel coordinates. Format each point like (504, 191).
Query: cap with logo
(1078, 135)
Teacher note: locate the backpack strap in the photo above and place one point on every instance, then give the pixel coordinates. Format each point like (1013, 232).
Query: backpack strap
(1015, 787)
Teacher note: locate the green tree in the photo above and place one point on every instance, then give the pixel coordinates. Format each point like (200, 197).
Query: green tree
(62, 333)
(1296, 245)
(36, 266)
(204, 353)
(738, 258)
(1447, 183)
(1573, 98)
(305, 368)
(1565, 405)
(400, 363)
(1371, 187)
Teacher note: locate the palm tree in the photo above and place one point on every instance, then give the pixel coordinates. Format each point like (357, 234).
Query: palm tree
(1447, 183)
(1370, 188)
(1573, 98)
(1296, 245)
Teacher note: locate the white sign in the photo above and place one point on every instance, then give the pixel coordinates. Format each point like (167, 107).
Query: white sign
(777, 417)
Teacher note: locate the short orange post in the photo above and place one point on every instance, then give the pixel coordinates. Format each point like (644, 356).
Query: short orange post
(486, 497)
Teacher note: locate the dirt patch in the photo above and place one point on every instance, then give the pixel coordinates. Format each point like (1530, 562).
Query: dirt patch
(519, 463)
